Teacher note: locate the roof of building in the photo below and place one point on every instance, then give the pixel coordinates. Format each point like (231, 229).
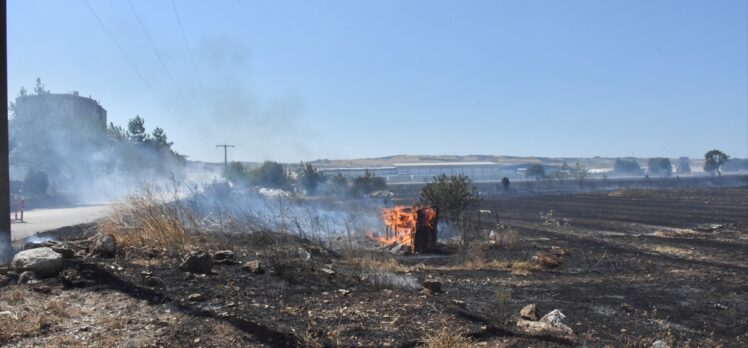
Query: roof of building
(446, 164)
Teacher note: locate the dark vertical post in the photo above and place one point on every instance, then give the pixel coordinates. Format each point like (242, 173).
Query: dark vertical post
(5, 246)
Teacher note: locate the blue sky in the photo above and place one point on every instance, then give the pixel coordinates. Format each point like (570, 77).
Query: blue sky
(302, 80)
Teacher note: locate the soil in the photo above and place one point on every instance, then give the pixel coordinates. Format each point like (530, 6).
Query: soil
(627, 268)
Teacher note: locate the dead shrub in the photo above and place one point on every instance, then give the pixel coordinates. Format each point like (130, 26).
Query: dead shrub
(510, 239)
(150, 217)
(446, 337)
(546, 260)
(500, 311)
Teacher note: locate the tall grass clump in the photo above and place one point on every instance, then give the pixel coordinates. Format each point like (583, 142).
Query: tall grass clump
(150, 217)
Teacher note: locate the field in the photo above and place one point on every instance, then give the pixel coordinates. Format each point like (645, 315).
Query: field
(627, 268)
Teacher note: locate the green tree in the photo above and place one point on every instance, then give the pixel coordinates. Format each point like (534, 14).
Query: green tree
(580, 172)
(536, 171)
(660, 166)
(270, 174)
(627, 166)
(237, 174)
(158, 136)
(452, 194)
(136, 130)
(367, 183)
(684, 167)
(713, 161)
(310, 178)
(39, 88)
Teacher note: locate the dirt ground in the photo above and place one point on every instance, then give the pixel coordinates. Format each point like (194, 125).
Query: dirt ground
(627, 268)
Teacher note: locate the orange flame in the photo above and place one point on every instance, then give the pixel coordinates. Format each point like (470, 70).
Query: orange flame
(400, 224)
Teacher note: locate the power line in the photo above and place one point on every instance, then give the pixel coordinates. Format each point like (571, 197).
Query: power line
(189, 52)
(160, 59)
(127, 58)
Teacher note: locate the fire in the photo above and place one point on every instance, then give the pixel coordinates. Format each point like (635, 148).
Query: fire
(401, 224)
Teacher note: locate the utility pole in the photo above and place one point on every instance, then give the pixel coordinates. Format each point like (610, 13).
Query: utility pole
(6, 250)
(225, 155)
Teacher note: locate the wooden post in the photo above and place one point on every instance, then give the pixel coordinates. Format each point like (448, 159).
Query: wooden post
(6, 250)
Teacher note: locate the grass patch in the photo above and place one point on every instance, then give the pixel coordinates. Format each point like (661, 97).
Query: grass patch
(150, 217)
(446, 337)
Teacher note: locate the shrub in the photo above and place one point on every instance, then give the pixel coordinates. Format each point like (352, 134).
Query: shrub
(452, 194)
(627, 166)
(367, 183)
(536, 171)
(660, 166)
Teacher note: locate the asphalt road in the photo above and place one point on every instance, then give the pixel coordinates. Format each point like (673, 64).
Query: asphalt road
(39, 220)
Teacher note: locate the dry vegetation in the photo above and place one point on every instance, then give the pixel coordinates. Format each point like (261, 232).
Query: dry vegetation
(152, 218)
(446, 337)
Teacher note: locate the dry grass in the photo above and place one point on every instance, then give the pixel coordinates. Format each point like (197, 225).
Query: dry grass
(546, 260)
(150, 217)
(524, 267)
(372, 263)
(675, 232)
(446, 337)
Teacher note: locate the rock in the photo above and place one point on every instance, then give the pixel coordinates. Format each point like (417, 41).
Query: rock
(720, 306)
(344, 292)
(5, 280)
(330, 273)
(197, 262)
(102, 245)
(224, 257)
(432, 285)
(540, 328)
(659, 344)
(529, 312)
(253, 267)
(304, 254)
(27, 277)
(44, 261)
(555, 317)
(64, 251)
(196, 297)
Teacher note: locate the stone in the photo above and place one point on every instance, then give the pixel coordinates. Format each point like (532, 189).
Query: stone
(27, 277)
(540, 328)
(529, 312)
(102, 245)
(304, 254)
(197, 262)
(432, 285)
(330, 273)
(659, 344)
(224, 257)
(64, 251)
(44, 262)
(253, 267)
(554, 317)
(196, 297)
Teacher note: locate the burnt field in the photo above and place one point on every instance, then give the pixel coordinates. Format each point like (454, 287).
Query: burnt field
(626, 268)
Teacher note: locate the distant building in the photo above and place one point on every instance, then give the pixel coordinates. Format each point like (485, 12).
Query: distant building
(421, 172)
(63, 107)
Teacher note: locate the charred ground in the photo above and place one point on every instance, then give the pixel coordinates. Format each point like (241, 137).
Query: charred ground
(627, 268)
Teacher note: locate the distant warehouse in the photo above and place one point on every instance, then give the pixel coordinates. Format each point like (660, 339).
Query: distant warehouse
(408, 172)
